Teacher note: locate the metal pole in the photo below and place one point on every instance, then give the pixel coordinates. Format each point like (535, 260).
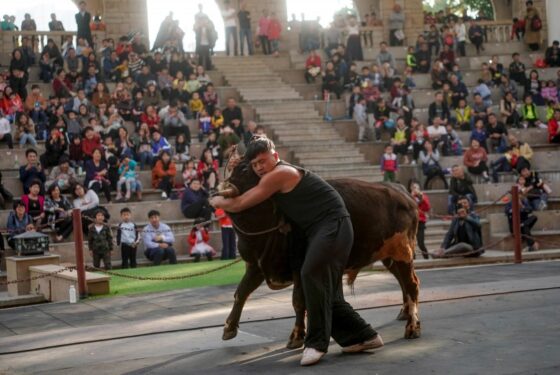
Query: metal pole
(79, 246)
(516, 223)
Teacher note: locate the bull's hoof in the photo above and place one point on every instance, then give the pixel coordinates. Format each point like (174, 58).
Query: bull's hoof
(412, 331)
(229, 333)
(403, 315)
(295, 343)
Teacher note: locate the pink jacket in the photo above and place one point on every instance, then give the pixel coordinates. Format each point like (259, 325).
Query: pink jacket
(274, 29)
(263, 26)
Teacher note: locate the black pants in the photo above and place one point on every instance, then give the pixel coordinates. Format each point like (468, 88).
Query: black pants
(478, 170)
(555, 139)
(64, 227)
(157, 255)
(102, 186)
(265, 44)
(328, 314)
(420, 239)
(231, 32)
(166, 185)
(228, 243)
(204, 58)
(433, 173)
(106, 257)
(199, 209)
(128, 256)
(526, 227)
(8, 139)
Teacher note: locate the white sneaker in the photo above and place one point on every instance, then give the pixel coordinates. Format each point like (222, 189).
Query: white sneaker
(374, 343)
(163, 195)
(310, 356)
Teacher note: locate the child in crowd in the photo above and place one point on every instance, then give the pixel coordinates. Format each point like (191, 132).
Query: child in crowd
(189, 172)
(408, 80)
(463, 115)
(529, 114)
(204, 125)
(411, 59)
(389, 164)
(196, 105)
(217, 120)
(361, 120)
(128, 239)
(182, 148)
(100, 241)
(198, 239)
(228, 234)
(550, 92)
(193, 84)
(129, 178)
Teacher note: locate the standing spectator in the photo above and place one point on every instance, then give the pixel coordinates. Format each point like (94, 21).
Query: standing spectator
(244, 18)
(533, 26)
(461, 185)
(163, 175)
(389, 164)
(430, 165)
(396, 26)
(274, 31)
(128, 239)
(83, 19)
(32, 171)
(100, 241)
(527, 221)
(205, 41)
(360, 116)
(518, 29)
(59, 212)
(158, 240)
(54, 24)
(229, 14)
(461, 36)
(475, 159)
(18, 74)
(464, 236)
(423, 209)
(353, 43)
(228, 235)
(476, 36)
(554, 127)
(264, 21)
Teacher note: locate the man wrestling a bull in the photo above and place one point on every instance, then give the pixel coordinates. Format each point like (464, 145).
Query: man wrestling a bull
(318, 209)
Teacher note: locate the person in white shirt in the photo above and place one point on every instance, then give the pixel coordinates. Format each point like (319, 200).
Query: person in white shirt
(6, 131)
(438, 134)
(461, 35)
(230, 15)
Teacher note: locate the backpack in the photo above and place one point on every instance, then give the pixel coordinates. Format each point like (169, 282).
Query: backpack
(536, 23)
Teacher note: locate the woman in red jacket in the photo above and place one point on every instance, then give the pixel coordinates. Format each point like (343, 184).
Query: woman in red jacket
(198, 239)
(554, 127)
(423, 209)
(151, 118)
(274, 31)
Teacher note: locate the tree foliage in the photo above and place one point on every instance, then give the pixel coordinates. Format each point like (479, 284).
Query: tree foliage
(473, 8)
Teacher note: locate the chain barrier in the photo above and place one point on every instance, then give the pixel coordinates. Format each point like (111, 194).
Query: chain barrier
(9, 282)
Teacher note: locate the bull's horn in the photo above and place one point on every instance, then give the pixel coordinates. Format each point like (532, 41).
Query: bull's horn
(228, 193)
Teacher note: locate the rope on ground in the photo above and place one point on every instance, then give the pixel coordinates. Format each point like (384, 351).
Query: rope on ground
(163, 278)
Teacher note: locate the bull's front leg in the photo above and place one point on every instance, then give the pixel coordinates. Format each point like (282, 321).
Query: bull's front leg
(251, 280)
(298, 302)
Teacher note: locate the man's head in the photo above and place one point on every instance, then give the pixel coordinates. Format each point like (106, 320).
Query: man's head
(463, 202)
(153, 216)
(478, 98)
(195, 184)
(31, 156)
(262, 154)
(126, 214)
(82, 6)
(383, 46)
(492, 119)
(231, 103)
(525, 172)
(457, 171)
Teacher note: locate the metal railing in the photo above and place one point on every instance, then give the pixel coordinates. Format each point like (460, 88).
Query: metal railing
(9, 40)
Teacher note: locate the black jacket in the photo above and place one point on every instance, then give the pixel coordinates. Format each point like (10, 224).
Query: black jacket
(472, 227)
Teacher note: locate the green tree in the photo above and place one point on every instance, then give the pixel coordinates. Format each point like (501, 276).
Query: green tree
(482, 8)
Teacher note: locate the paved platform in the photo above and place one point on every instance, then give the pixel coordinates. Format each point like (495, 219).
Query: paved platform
(499, 319)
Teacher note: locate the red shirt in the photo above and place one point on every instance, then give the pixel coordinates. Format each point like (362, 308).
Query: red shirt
(552, 128)
(274, 29)
(223, 218)
(313, 61)
(88, 145)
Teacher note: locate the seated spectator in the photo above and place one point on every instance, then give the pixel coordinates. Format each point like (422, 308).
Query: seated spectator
(75, 154)
(312, 66)
(211, 98)
(73, 65)
(62, 86)
(438, 75)
(101, 95)
(497, 133)
(143, 147)
(385, 56)
(509, 110)
(447, 57)
(87, 203)
(529, 114)
(189, 172)
(331, 80)
(463, 113)
(158, 240)
(549, 92)
(97, 175)
(479, 133)
(534, 189)
(174, 121)
(19, 75)
(182, 148)
(194, 203)
(508, 86)
(480, 109)
(55, 148)
(63, 176)
(36, 106)
(59, 212)
(18, 221)
(430, 165)
(438, 134)
(129, 178)
(400, 139)
(552, 54)
(34, 203)
(383, 120)
(453, 144)
(517, 70)
(91, 142)
(484, 91)
(6, 131)
(461, 185)
(198, 239)
(517, 156)
(227, 139)
(418, 136)
(464, 237)
(100, 241)
(423, 59)
(153, 95)
(527, 221)
(208, 170)
(5, 196)
(533, 87)
(438, 108)
(458, 90)
(151, 118)
(163, 175)
(475, 160)
(554, 127)
(159, 144)
(32, 171)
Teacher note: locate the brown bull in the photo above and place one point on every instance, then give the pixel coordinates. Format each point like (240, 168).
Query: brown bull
(384, 219)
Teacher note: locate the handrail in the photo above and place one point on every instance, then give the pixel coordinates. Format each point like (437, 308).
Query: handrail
(9, 40)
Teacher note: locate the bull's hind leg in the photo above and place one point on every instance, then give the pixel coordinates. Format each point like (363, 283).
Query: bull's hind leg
(411, 286)
(298, 302)
(251, 280)
(392, 267)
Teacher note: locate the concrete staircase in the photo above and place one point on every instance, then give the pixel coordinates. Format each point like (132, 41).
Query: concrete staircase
(294, 122)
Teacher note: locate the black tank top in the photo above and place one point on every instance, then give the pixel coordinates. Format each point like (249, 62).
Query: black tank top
(310, 201)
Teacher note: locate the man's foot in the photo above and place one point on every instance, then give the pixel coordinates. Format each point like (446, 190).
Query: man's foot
(374, 343)
(311, 356)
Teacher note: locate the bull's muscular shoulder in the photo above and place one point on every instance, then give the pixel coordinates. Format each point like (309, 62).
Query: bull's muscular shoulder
(357, 192)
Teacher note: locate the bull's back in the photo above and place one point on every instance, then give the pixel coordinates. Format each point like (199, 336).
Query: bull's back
(384, 217)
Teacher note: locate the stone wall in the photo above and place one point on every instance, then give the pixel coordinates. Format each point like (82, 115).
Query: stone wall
(124, 16)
